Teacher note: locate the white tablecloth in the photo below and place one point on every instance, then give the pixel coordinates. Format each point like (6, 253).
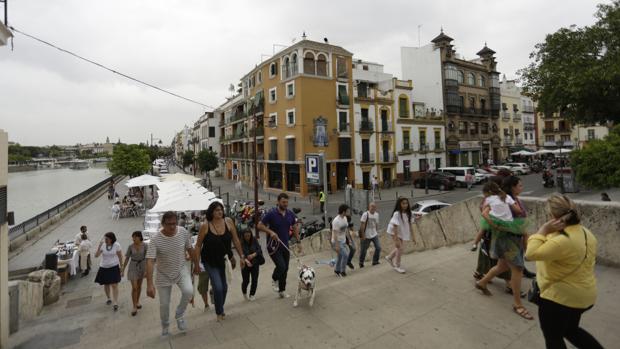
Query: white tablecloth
(72, 264)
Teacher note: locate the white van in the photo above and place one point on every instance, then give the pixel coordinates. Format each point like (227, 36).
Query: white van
(519, 168)
(459, 173)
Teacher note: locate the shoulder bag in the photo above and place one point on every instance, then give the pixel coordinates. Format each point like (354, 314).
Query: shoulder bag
(533, 295)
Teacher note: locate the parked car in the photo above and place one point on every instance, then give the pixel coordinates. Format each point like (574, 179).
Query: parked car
(486, 174)
(497, 168)
(423, 207)
(459, 173)
(519, 168)
(436, 180)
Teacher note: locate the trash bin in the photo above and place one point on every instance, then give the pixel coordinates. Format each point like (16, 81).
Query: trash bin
(566, 180)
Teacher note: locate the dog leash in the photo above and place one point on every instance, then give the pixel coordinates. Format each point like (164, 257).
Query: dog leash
(279, 242)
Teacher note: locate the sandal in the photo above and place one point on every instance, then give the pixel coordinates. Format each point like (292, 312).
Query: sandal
(139, 306)
(522, 312)
(485, 291)
(477, 275)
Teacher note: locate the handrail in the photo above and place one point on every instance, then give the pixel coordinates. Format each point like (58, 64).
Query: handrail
(29, 224)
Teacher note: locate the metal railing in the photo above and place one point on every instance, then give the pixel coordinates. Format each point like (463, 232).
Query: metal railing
(367, 158)
(29, 224)
(366, 126)
(388, 157)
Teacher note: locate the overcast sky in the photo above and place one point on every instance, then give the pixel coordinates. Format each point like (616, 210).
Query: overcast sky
(197, 48)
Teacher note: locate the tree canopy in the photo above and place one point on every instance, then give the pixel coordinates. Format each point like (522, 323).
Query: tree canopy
(188, 158)
(597, 165)
(130, 160)
(576, 71)
(207, 160)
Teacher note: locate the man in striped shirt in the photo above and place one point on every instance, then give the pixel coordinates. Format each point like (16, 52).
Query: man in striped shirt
(168, 249)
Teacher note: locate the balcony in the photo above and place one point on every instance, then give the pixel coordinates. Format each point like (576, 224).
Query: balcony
(517, 117)
(407, 148)
(505, 116)
(366, 126)
(388, 157)
(475, 112)
(273, 156)
(557, 130)
(344, 129)
(259, 132)
(343, 99)
(366, 158)
(239, 115)
(386, 127)
(507, 142)
(439, 147)
(518, 141)
(237, 155)
(528, 108)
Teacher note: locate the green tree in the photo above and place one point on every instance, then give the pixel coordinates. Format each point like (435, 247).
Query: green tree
(188, 158)
(576, 71)
(207, 160)
(129, 160)
(597, 165)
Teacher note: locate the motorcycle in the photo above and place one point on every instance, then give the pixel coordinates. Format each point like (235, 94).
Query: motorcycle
(243, 213)
(548, 181)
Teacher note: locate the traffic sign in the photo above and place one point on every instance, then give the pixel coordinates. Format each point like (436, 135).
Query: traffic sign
(313, 169)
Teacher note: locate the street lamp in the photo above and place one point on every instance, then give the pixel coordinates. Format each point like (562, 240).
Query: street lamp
(560, 169)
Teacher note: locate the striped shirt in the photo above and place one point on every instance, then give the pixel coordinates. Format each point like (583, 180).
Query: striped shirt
(169, 253)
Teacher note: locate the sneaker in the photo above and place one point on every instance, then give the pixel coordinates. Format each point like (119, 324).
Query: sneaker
(474, 247)
(252, 298)
(337, 273)
(245, 296)
(400, 270)
(275, 285)
(376, 263)
(528, 274)
(343, 274)
(361, 265)
(350, 265)
(283, 294)
(164, 332)
(389, 260)
(181, 325)
(108, 302)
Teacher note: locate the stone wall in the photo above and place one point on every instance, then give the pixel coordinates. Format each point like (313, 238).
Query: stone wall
(459, 223)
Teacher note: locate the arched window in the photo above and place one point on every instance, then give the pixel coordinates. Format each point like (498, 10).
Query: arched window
(460, 77)
(471, 79)
(286, 68)
(483, 81)
(309, 66)
(294, 67)
(321, 65)
(273, 69)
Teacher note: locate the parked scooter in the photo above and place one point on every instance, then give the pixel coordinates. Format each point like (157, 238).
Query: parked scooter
(547, 177)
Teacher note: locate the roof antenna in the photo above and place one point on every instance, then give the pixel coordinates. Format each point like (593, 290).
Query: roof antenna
(326, 41)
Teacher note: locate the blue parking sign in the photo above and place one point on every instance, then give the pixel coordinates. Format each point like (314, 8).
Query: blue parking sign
(313, 169)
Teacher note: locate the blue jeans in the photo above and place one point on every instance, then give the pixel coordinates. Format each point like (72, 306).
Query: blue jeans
(365, 244)
(352, 250)
(219, 285)
(343, 255)
(187, 291)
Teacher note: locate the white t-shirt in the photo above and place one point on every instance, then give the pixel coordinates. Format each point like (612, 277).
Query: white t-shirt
(400, 224)
(340, 226)
(109, 258)
(78, 238)
(85, 246)
(372, 221)
(374, 181)
(500, 209)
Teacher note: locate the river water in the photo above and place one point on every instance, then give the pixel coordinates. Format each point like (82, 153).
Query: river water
(32, 192)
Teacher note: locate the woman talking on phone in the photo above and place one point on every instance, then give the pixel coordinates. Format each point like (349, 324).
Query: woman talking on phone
(109, 273)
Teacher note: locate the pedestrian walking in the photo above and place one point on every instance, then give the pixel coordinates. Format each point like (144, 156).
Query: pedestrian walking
(168, 249)
(469, 180)
(368, 233)
(322, 198)
(84, 250)
(253, 259)
(565, 254)
(212, 248)
(506, 243)
(277, 224)
(109, 273)
(375, 187)
(135, 257)
(339, 228)
(400, 228)
(513, 186)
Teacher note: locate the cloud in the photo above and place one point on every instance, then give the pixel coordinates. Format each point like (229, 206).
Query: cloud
(197, 48)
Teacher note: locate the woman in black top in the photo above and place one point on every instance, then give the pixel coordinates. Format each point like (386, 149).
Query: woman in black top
(253, 258)
(213, 244)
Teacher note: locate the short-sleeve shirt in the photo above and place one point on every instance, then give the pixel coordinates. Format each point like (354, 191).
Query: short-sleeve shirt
(372, 221)
(169, 253)
(340, 226)
(500, 209)
(401, 225)
(280, 223)
(109, 258)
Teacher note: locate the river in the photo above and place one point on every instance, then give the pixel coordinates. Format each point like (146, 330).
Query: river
(32, 192)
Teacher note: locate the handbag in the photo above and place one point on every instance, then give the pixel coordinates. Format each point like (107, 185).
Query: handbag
(260, 259)
(533, 295)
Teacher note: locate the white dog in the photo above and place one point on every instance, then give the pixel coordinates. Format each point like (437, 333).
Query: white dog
(306, 283)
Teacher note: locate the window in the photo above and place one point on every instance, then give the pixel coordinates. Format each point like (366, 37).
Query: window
(450, 72)
(549, 138)
(474, 128)
(343, 121)
(290, 145)
(343, 96)
(309, 67)
(259, 77)
(422, 132)
(504, 106)
(591, 135)
(462, 127)
(462, 102)
(423, 165)
(406, 140)
(515, 108)
(472, 103)
(471, 79)
(344, 147)
(484, 128)
(364, 67)
(437, 139)
(460, 77)
(290, 117)
(273, 119)
(403, 107)
(290, 89)
(211, 131)
(273, 147)
(286, 68)
(294, 67)
(506, 132)
(483, 81)
(273, 69)
(341, 67)
(273, 95)
(565, 138)
(321, 65)
(483, 104)
(362, 89)
(549, 126)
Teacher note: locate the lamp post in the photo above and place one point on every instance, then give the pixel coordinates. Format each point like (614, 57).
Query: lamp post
(560, 169)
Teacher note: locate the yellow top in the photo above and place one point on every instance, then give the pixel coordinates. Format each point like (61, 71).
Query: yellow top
(561, 275)
(321, 196)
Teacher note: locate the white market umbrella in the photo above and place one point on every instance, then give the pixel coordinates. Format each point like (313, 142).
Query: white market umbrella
(544, 151)
(180, 177)
(523, 153)
(562, 151)
(142, 181)
(190, 203)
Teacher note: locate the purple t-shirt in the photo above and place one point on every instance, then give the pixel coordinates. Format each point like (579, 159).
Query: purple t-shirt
(280, 224)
